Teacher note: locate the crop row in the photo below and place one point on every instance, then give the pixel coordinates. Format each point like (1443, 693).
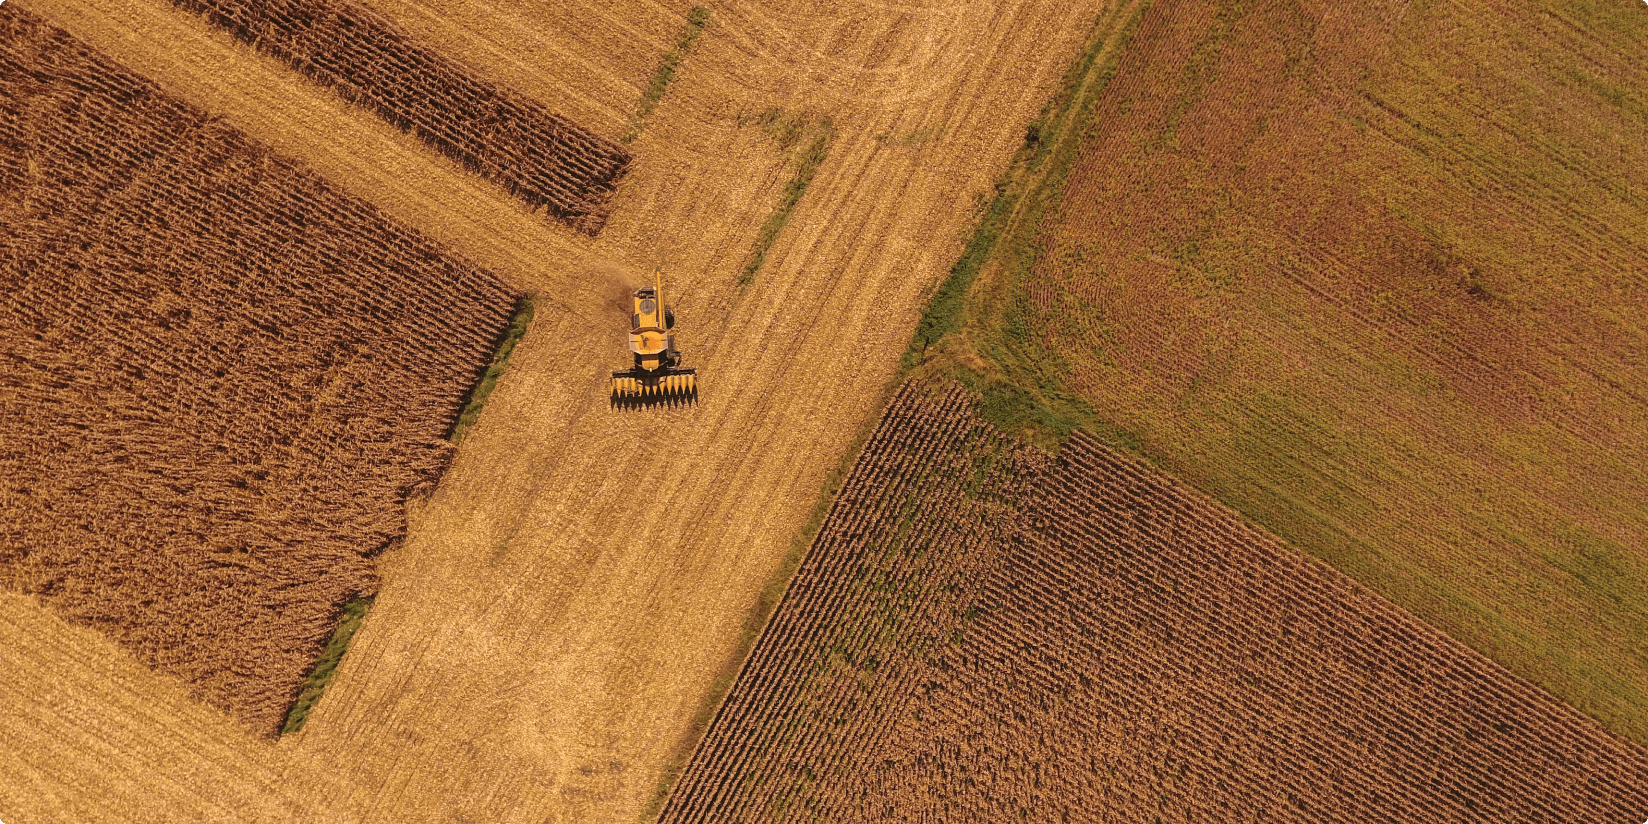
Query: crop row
(506, 137)
(1202, 669)
(221, 377)
(1119, 647)
(889, 571)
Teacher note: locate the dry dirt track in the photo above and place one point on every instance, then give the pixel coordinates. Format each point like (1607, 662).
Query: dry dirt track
(564, 602)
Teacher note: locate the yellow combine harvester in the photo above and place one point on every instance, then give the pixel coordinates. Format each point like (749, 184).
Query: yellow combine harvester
(658, 378)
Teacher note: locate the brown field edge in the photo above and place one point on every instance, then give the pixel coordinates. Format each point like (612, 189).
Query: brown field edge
(222, 378)
(510, 139)
(983, 632)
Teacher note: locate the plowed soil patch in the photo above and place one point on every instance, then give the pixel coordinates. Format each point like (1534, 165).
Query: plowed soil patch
(222, 377)
(983, 634)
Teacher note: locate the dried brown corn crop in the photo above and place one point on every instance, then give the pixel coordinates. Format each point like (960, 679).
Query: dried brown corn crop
(220, 377)
(979, 639)
(506, 137)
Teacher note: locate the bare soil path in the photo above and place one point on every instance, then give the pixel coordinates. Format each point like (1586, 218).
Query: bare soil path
(565, 601)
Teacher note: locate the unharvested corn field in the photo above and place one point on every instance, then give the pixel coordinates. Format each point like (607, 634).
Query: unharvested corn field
(510, 139)
(984, 633)
(220, 378)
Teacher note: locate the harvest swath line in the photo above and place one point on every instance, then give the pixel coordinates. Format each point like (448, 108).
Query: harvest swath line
(789, 132)
(697, 19)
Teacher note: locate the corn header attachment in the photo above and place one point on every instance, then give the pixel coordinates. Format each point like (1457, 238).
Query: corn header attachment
(657, 378)
(632, 391)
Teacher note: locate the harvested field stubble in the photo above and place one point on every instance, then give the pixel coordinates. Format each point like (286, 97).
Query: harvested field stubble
(194, 763)
(1103, 644)
(506, 137)
(221, 381)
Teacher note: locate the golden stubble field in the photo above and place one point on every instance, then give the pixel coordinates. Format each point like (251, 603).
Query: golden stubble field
(565, 602)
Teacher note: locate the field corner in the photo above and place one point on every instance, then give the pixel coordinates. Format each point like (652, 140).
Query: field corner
(975, 329)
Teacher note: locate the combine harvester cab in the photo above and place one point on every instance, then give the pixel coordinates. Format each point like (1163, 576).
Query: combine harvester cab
(658, 378)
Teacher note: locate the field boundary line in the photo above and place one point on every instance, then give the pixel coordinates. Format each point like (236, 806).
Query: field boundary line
(771, 599)
(351, 616)
(1104, 42)
(475, 401)
(1074, 120)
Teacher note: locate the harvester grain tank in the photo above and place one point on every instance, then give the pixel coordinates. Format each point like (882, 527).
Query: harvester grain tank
(657, 378)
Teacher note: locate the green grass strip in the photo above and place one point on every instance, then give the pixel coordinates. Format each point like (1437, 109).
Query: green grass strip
(697, 19)
(1054, 137)
(354, 612)
(1023, 397)
(806, 165)
(489, 380)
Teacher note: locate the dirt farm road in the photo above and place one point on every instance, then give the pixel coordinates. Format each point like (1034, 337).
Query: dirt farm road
(565, 601)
